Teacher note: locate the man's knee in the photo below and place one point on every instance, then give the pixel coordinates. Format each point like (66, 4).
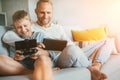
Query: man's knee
(72, 51)
(70, 55)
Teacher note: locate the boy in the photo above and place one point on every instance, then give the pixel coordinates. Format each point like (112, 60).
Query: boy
(38, 63)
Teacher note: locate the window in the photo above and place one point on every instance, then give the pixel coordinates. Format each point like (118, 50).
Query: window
(3, 19)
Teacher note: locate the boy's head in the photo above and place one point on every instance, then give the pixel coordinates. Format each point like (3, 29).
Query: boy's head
(22, 23)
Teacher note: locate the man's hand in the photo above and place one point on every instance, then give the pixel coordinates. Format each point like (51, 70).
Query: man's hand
(40, 51)
(18, 56)
(40, 45)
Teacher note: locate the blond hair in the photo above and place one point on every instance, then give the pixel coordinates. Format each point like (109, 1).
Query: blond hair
(47, 1)
(21, 14)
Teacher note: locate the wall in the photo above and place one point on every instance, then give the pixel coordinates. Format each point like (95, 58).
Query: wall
(32, 6)
(83, 13)
(88, 13)
(0, 6)
(10, 6)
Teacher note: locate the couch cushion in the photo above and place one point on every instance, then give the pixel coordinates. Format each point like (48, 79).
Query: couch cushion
(112, 67)
(3, 49)
(72, 74)
(16, 77)
(62, 74)
(68, 29)
(89, 34)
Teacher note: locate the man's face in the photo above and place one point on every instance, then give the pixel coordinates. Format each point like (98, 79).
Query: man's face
(23, 27)
(44, 13)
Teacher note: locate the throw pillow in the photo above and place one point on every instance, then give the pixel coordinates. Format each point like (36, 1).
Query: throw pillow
(96, 33)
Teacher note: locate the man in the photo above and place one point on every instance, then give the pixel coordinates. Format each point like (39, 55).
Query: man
(71, 56)
(34, 63)
(44, 11)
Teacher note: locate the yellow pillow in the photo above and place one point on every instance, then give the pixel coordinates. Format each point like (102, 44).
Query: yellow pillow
(89, 34)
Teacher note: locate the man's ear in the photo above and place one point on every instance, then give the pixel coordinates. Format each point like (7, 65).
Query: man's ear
(36, 11)
(31, 21)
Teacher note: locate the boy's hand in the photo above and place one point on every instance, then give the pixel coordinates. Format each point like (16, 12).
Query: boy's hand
(18, 56)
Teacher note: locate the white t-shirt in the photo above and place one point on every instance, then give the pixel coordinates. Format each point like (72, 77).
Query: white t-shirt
(55, 31)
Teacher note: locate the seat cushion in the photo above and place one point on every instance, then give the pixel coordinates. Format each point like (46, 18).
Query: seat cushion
(72, 74)
(112, 67)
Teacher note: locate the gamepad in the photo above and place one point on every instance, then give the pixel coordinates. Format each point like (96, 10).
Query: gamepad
(26, 46)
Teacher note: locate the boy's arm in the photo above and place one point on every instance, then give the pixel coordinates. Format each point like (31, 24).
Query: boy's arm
(10, 37)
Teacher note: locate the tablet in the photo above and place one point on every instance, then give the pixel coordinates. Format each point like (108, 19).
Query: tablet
(53, 44)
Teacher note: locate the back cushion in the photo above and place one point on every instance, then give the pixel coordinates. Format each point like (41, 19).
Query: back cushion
(3, 49)
(68, 29)
(96, 33)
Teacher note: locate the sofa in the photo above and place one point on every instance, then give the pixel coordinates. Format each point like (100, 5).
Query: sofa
(111, 67)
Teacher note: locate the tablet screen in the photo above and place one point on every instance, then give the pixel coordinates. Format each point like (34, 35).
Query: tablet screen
(53, 44)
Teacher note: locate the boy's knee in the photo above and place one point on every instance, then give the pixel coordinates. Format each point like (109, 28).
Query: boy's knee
(2, 56)
(43, 58)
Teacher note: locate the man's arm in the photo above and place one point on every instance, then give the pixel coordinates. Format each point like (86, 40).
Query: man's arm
(10, 37)
(64, 36)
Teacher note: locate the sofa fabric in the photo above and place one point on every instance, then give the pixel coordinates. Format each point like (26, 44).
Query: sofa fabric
(3, 49)
(111, 68)
(63, 74)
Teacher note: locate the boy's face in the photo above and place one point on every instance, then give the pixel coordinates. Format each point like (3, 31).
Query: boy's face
(23, 27)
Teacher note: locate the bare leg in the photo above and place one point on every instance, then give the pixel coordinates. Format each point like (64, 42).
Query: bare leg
(98, 65)
(93, 55)
(95, 68)
(95, 71)
(8, 66)
(43, 69)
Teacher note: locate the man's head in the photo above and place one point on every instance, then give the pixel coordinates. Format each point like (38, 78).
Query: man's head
(22, 23)
(44, 9)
